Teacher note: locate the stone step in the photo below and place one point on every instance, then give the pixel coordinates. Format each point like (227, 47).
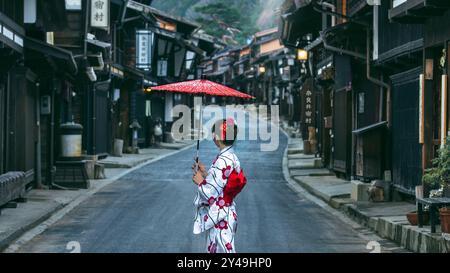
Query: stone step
(124, 164)
(326, 187)
(338, 202)
(311, 172)
(312, 163)
(297, 140)
(295, 146)
(300, 164)
(294, 151)
(300, 156)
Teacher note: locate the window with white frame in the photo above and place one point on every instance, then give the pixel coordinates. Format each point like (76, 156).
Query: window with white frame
(190, 56)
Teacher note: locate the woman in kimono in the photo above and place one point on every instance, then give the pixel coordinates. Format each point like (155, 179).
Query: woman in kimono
(215, 208)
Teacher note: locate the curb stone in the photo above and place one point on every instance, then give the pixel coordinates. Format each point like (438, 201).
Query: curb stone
(4, 243)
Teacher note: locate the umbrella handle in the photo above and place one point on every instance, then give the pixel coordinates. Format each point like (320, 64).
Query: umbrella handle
(196, 157)
(198, 140)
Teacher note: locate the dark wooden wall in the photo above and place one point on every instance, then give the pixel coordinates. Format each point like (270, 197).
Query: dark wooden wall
(13, 9)
(437, 30)
(406, 150)
(21, 120)
(3, 97)
(102, 123)
(342, 125)
(342, 115)
(392, 35)
(361, 85)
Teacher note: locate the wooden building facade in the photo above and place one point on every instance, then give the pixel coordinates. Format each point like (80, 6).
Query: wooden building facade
(431, 77)
(85, 63)
(367, 64)
(18, 97)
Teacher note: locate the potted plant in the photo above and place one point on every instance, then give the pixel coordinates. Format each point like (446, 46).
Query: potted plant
(413, 218)
(438, 179)
(444, 214)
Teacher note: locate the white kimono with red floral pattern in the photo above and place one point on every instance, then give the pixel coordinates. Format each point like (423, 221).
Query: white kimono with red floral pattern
(218, 219)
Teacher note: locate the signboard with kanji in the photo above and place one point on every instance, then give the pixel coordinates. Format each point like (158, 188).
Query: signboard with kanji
(100, 13)
(308, 104)
(162, 68)
(144, 45)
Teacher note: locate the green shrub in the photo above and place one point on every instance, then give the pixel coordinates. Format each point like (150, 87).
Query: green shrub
(439, 175)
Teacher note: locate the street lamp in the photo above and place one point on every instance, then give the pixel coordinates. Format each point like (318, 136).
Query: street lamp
(262, 69)
(302, 55)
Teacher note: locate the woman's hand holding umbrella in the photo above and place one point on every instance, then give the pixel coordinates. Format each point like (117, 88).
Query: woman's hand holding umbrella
(199, 168)
(198, 177)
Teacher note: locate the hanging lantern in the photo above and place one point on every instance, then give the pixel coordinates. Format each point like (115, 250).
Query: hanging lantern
(302, 55)
(262, 69)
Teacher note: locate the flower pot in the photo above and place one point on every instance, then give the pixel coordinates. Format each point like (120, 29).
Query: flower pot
(413, 218)
(444, 214)
(306, 147)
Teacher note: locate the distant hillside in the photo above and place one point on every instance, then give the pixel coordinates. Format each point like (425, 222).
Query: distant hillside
(261, 12)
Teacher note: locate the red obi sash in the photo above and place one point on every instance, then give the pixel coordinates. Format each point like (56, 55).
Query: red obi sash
(236, 182)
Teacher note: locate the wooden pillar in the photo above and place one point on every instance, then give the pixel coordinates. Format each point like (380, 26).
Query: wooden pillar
(427, 108)
(444, 104)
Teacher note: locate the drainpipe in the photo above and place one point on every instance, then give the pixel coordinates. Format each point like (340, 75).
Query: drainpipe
(38, 172)
(354, 126)
(84, 84)
(340, 50)
(361, 57)
(94, 119)
(337, 14)
(86, 27)
(333, 10)
(366, 58)
(378, 82)
(52, 169)
(382, 85)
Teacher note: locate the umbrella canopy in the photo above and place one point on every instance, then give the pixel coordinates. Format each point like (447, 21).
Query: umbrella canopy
(202, 87)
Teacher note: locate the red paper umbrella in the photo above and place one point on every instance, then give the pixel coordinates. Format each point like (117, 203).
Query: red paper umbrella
(202, 87)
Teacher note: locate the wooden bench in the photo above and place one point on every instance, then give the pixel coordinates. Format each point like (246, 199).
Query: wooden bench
(12, 188)
(435, 204)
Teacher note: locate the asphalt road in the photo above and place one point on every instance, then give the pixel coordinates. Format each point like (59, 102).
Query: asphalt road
(150, 210)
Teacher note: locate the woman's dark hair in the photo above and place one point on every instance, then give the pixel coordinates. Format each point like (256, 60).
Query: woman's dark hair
(226, 130)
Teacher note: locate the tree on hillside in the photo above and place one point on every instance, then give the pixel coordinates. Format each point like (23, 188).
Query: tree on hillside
(225, 21)
(174, 7)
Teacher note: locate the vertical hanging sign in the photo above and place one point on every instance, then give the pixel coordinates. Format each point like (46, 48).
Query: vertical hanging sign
(444, 110)
(100, 14)
(162, 68)
(308, 104)
(309, 129)
(308, 107)
(144, 45)
(421, 108)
